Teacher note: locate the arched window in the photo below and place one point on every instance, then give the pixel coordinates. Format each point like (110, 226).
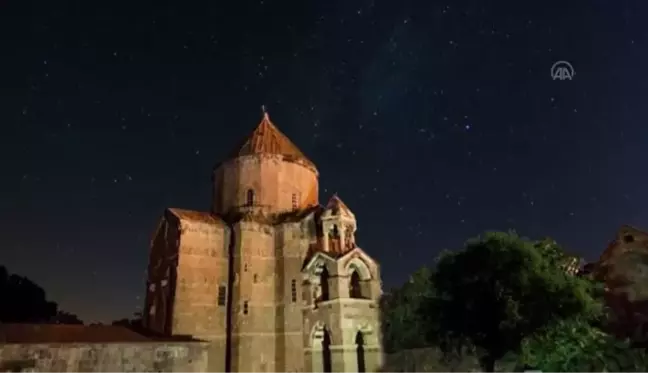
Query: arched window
(335, 232)
(250, 197)
(245, 308)
(355, 290)
(324, 285)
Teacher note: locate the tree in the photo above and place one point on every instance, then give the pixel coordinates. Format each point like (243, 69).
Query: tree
(134, 323)
(401, 316)
(499, 290)
(63, 317)
(574, 345)
(23, 301)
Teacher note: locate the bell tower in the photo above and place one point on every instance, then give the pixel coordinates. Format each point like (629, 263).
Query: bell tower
(338, 227)
(342, 288)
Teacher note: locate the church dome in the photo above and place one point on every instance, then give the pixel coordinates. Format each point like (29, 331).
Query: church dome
(268, 139)
(265, 174)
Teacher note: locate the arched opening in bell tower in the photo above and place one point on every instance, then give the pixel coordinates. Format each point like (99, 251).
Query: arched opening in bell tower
(324, 284)
(349, 241)
(334, 239)
(355, 288)
(360, 353)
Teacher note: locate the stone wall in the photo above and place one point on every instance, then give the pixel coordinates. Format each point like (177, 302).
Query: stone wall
(105, 357)
(431, 360)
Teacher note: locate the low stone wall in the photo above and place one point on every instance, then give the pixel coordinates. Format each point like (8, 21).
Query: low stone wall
(431, 359)
(105, 357)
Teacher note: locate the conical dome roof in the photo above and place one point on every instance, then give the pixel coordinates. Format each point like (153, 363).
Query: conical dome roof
(268, 139)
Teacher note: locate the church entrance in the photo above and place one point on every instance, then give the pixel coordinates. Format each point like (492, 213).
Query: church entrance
(360, 353)
(326, 352)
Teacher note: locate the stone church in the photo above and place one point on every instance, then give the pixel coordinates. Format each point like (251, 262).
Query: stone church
(272, 279)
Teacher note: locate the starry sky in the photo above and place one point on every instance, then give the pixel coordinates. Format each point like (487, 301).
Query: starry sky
(433, 120)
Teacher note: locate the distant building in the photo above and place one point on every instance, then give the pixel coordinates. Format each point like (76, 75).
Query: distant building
(573, 265)
(271, 278)
(623, 267)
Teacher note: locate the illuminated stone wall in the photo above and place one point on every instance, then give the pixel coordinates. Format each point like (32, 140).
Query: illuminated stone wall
(104, 357)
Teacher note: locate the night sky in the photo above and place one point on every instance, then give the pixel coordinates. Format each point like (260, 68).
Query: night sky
(433, 121)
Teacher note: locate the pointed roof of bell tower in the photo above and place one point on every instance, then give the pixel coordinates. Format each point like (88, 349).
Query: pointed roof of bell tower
(337, 207)
(268, 139)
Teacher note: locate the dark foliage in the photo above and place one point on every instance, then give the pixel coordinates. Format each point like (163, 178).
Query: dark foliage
(497, 291)
(23, 301)
(509, 300)
(63, 317)
(401, 318)
(575, 345)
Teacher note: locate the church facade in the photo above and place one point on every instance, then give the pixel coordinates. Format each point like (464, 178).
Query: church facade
(272, 279)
